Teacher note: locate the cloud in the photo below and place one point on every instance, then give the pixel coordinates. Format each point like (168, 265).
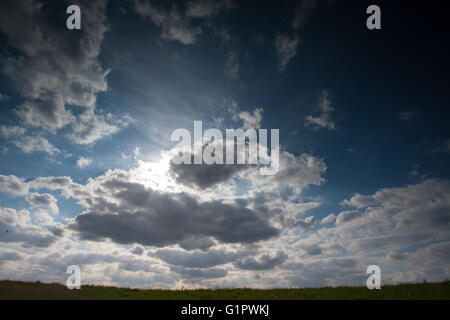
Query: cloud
(148, 217)
(200, 273)
(347, 216)
(397, 218)
(13, 185)
(91, 127)
(306, 223)
(324, 118)
(49, 114)
(15, 227)
(83, 162)
(286, 48)
(328, 219)
(204, 176)
(251, 120)
(303, 13)
(17, 136)
(8, 255)
(174, 26)
(44, 202)
(232, 64)
(263, 262)
(138, 250)
(206, 8)
(196, 259)
(56, 69)
(312, 250)
(408, 115)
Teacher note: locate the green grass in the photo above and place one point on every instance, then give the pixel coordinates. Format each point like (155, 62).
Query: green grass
(38, 290)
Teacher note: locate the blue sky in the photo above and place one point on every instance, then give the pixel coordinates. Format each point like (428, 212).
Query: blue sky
(85, 176)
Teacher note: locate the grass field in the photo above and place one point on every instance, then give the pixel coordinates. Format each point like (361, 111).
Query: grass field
(37, 290)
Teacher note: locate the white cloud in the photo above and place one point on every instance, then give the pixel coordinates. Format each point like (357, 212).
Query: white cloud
(328, 219)
(251, 119)
(43, 202)
(17, 136)
(83, 162)
(13, 185)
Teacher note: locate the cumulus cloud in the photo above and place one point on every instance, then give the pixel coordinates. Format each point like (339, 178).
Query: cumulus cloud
(328, 219)
(307, 222)
(347, 216)
(251, 119)
(263, 262)
(15, 227)
(286, 48)
(397, 218)
(196, 259)
(13, 185)
(55, 69)
(83, 162)
(324, 117)
(44, 202)
(27, 143)
(138, 250)
(148, 217)
(204, 176)
(200, 273)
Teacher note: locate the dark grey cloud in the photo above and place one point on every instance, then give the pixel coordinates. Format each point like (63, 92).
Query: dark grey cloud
(204, 176)
(9, 256)
(150, 217)
(313, 250)
(29, 237)
(138, 250)
(200, 273)
(263, 262)
(196, 259)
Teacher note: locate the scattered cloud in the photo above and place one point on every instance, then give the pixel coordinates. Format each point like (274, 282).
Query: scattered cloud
(83, 162)
(324, 117)
(207, 8)
(174, 26)
(286, 48)
(405, 116)
(303, 13)
(54, 71)
(17, 136)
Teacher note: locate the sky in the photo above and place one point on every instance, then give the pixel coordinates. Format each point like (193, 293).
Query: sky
(86, 176)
